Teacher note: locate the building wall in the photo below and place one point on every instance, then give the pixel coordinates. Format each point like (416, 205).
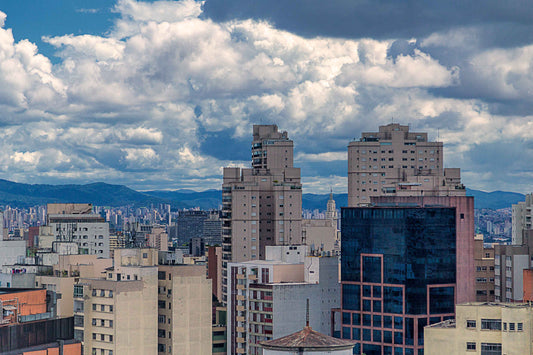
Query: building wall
(453, 339)
(288, 352)
(484, 266)
(521, 219)
(187, 295)
(64, 287)
(395, 161)
(11, 251)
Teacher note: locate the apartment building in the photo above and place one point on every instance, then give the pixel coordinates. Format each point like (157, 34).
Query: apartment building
(267, 297)
(521, 219)
(118, 314)
(510, 261)
(261, 206)
(184, 310)
(483, 328)
(141, 307)
(397, 162)
(484, 264)
(76, 223)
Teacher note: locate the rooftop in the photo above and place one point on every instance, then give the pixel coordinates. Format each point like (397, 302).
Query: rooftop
(307, 339)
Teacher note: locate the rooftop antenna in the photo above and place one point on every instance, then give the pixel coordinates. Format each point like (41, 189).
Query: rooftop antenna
(307, 314)
(438, 131)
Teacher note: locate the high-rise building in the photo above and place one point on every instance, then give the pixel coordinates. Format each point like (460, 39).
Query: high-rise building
(522, 214)
(398, 274)
(261, 206)
(397, 162)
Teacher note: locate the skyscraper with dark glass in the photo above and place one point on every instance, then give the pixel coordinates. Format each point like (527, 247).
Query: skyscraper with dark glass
(398, 275)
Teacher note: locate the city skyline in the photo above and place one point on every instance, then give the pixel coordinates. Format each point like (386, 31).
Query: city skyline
(164, 94)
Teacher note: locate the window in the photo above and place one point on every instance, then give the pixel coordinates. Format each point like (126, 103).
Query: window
(511, 327)
(470, 346)
(161, 333)
(491, 324)
(520, 327)
(491, 349)
(470, 323)
(161, 304)
(110, 308)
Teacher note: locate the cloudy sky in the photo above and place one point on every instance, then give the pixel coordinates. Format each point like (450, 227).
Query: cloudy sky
(163, 94)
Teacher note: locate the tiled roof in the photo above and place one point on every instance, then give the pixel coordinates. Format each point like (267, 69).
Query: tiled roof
(307, 339)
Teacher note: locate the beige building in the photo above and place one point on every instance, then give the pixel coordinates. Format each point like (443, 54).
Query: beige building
(521, 220)
(140, 307)
(484, 264)
(118, 314)
(158, 239)
(483, 328)
(184, 310)
(397, 162)
(261, 206)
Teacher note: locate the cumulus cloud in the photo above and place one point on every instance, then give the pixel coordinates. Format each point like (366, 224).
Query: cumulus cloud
(168, 97)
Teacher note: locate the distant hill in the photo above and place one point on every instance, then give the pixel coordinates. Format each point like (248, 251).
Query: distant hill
(494, 200)
(102, 194)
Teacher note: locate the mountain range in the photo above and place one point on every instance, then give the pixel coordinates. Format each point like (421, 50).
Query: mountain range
(102, 194)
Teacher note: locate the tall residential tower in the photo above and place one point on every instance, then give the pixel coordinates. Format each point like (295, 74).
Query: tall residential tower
(397, 162)
(263, 205)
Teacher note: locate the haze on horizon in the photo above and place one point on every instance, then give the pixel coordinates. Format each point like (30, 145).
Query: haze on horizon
(161, 95)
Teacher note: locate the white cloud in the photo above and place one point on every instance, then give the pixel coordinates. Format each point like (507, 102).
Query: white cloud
(139, 105)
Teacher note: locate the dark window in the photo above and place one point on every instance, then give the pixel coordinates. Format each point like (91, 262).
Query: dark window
(161, 275)
(161, 304)
(470, 323)
(491, 324)
(470, 346)
(491, 349)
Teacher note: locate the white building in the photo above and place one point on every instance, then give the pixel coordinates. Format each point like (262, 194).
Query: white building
(267, 298)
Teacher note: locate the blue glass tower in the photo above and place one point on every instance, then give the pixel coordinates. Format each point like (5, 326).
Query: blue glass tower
(398, 274)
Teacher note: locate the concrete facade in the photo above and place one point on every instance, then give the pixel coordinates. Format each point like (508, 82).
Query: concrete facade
(484, 264)
(184, 310)
(12, 251)
(483, 328)
(397, 162)
(521, 219)
(261, 206)
(267, 298)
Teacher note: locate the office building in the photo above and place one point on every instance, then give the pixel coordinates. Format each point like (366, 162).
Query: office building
(267, 297)
(196, 247)
(464, 229)
(261, 206)
(76, 223)
(521, 219)
(397, 162)
(483, 328)
(398, 274)
(484, 264)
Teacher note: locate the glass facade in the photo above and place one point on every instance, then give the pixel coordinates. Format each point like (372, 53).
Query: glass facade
(395, 261)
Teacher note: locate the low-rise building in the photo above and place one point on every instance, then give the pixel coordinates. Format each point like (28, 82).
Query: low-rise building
(483, 328)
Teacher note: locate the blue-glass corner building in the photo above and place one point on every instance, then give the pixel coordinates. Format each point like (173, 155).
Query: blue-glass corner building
(398, 274)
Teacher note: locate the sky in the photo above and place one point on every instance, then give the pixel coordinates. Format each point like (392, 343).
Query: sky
(163, 94)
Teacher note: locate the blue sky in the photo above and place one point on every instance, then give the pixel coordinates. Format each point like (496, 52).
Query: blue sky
(163, 94)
